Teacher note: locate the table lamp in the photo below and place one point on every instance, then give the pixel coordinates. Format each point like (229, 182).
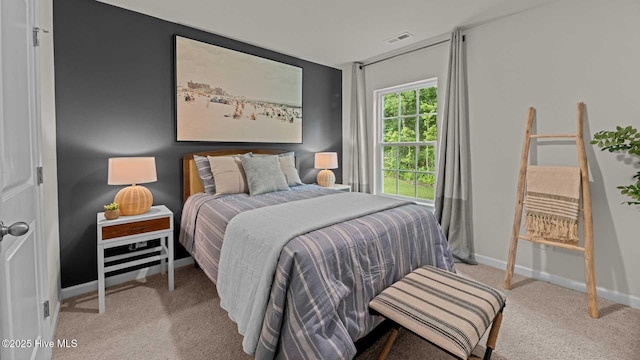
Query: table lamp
(134, 199)
(325, 161)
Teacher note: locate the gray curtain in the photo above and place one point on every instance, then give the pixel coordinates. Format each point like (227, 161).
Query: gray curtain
(358, 176)
(453, 183)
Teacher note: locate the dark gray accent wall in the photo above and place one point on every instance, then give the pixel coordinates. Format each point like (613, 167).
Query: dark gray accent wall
(115, 97)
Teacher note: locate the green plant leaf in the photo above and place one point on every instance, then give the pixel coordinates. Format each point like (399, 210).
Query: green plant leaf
(623, 139)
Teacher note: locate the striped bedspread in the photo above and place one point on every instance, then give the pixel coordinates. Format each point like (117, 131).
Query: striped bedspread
(325, 278)
(205, 218)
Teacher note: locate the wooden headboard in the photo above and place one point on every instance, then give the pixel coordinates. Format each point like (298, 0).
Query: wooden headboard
(191, 182)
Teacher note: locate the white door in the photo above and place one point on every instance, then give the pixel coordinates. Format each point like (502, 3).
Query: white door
(22, 264)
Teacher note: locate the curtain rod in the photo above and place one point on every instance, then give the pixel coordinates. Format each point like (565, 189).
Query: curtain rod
(408, 52)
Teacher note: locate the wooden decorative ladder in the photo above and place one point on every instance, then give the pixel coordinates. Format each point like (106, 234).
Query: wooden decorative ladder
(587, 249)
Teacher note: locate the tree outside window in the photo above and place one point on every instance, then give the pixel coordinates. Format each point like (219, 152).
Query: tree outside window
(407, 145)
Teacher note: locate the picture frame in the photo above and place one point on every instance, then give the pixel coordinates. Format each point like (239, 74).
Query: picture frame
(224, 95)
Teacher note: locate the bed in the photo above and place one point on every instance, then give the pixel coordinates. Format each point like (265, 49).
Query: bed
(322, 277)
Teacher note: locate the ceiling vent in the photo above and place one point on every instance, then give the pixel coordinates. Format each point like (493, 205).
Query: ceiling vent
(397, 38)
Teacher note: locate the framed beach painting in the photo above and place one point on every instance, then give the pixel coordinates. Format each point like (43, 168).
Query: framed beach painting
(224, 95)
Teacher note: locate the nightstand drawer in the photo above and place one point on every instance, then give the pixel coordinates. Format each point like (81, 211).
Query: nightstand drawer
(133, 228)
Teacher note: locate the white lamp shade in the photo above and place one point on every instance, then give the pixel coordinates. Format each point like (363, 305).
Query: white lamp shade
(326, 160)
(132, 170)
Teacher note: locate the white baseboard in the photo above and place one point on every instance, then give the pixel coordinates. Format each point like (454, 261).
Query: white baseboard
(621, 298)
(92, 286)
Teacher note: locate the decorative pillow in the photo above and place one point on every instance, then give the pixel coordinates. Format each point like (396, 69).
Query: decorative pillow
(228, 174)
(288, 167)
(205, 174)
(264, 174)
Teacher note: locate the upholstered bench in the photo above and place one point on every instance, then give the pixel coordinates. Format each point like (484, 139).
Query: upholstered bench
(443, 308)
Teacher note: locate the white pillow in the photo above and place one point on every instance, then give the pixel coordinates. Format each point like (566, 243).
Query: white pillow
(228, 174)
(288, 167)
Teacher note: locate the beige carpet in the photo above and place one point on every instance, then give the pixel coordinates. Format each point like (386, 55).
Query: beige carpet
(145, 321)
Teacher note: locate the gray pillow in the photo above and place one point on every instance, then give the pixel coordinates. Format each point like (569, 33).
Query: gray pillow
(288, 167)
(228, 174)
(264, 174)
(205, 174)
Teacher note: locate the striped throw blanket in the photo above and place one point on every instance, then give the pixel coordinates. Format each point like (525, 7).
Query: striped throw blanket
(552, 203)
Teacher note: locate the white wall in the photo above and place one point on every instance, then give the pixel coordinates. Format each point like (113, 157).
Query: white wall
(47, 89)
(549, 57)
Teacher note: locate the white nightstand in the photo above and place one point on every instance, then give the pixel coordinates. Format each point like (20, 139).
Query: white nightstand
(157, 223)
(340, 187)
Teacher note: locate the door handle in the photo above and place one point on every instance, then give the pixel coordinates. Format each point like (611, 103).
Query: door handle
(15, 229)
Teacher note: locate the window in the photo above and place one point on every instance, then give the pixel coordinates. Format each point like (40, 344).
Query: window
(406, 145)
